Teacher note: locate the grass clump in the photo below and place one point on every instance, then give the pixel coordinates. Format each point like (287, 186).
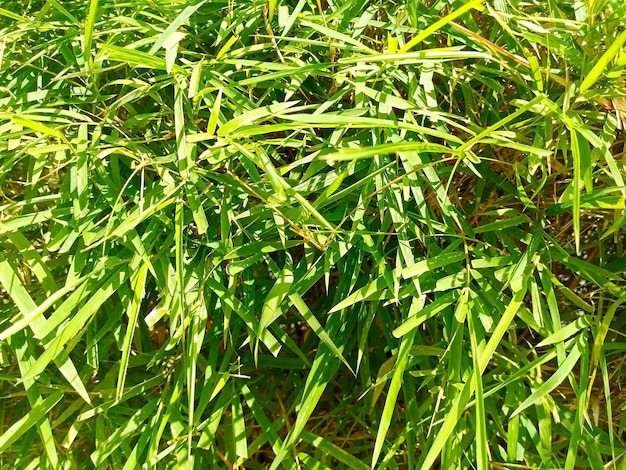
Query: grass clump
(312, 234)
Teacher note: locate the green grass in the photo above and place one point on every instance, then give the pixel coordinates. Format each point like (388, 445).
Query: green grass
(341, 234)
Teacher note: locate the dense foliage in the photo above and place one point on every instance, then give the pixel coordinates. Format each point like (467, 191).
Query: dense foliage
(312, 234)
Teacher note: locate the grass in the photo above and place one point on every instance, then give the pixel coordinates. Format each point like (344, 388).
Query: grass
(312, 234)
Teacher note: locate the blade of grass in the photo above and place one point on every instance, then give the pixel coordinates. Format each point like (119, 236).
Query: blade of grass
(396, 381)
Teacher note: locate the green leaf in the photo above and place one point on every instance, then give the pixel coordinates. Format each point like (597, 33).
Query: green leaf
(317, 328)
(242, 311)
(431, 264)
(601, 65)
(271, 310)
(559, 376)
(174, 25)
(332, 450)
(36, 414)
(255, 115)
(239, 428)
(55, 348)
(396, 382)
(567, 331)
(437, 25)
(419, 317)
(89, 27)
(120, 435)
(138, 282)
(384, 149)
(24, 302)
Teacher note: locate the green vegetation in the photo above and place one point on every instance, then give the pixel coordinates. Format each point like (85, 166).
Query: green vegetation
(340, 234)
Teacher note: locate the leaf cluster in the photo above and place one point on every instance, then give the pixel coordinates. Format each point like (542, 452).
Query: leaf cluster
(312, 234)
